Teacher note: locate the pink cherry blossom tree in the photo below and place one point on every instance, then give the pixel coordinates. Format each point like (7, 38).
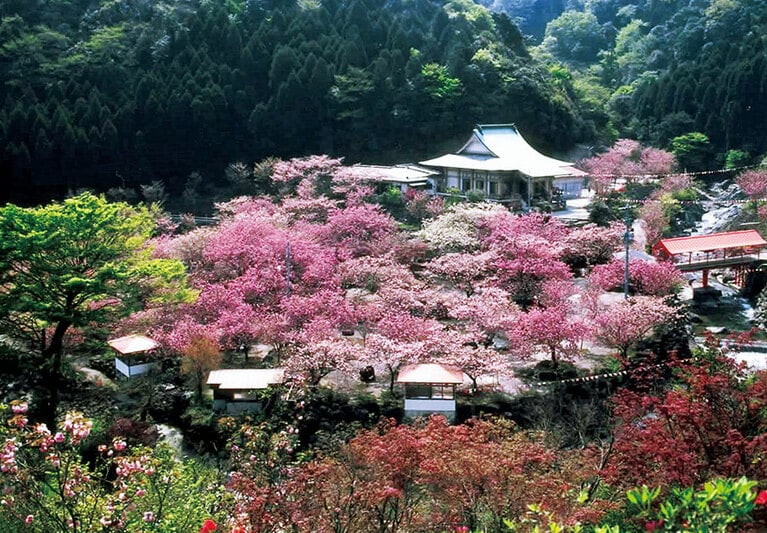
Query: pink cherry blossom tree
(554, 326)
(622, 324)
(591, 245)
(490, 311)
(399, 339)
(421, 205)
(627, 160)
(320, 350)
(359, 230)
(753, 183)
(654, 220)
(465, 351)
(305, 175)
(527, 252)
(649, 278)
(462, 270)
(374, 273)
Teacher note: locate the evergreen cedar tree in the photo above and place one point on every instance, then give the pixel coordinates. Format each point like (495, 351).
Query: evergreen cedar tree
(70, 264)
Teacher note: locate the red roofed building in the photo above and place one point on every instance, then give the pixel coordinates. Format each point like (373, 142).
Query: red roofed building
(717, 250)
(746, 239)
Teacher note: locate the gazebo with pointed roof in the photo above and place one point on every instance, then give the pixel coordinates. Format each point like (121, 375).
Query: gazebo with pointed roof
(131, 354)
(430, 388)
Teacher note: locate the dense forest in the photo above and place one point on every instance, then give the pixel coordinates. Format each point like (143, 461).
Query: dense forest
(122, 93)
(666, 68)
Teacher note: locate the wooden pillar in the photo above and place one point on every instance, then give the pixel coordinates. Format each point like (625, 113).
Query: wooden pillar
(705, 278)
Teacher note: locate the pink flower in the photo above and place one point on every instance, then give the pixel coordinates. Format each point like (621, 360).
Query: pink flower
(761, 498)
(28, 520)
(149, 516)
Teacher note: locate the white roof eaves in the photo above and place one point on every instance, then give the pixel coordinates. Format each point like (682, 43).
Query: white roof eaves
(477, 135)
(498, 164)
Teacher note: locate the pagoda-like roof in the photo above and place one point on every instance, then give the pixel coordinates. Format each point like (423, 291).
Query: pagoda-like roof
(433, 373)
(135, 343)
(245, 378)
(708, 243)
(501, 148)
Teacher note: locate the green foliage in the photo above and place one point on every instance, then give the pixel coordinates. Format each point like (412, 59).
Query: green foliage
(642, 499)
(74, 263)
(454, 197)
(607, 209)
(437, 82)
(692, 151)
(736, 158)
(61, 262)
(719, 505)
(474, 196)
(393, 201)
(630, 48)
(53, 486)
(574, 35)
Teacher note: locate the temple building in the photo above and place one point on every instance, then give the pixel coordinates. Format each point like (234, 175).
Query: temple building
(498, 162)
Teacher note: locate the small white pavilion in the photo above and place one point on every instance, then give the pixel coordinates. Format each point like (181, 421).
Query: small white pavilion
(430, 388)
(234, 389)
(133, 354)
(498, 162)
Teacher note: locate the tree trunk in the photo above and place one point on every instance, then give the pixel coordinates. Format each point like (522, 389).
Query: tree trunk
(53, 356)
(199, 376)
(554, 360)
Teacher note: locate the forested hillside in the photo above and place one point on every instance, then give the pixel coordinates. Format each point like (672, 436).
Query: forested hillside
(671, 67)
(123, 92)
